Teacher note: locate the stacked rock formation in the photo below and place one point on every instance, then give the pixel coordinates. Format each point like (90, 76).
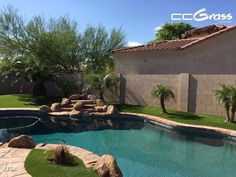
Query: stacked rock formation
(79, 105)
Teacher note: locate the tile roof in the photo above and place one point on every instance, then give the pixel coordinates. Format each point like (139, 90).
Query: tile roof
(176, 44)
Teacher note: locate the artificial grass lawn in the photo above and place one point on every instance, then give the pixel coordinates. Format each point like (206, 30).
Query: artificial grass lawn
(25, 101)
(182, 117)
(37, 166)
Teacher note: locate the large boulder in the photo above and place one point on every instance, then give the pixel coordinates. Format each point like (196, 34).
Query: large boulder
(65, 102)
(45, 108)
(75, 97)
(56, 107)
(106, 166)
(22, 141)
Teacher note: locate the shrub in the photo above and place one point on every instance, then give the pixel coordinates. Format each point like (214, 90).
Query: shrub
(66, 87)
(102, 81)
(60, 156)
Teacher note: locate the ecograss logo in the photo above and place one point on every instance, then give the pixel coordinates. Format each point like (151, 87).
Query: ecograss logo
(202, 15)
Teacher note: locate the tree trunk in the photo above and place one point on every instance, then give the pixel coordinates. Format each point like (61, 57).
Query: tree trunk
(100, 94)
(233, 109)
(39, 89)
(227, 115)
(162, 102)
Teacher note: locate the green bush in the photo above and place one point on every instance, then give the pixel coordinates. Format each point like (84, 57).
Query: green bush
(66, 87)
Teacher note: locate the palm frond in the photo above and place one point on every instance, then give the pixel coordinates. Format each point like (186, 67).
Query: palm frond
(161, 90)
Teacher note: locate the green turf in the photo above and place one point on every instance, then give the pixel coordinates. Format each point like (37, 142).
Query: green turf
(182, 117)
(25, 101)
(37, 166)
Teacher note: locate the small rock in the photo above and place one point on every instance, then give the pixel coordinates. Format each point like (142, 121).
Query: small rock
(56, 107)
(100, 102)
(92, 98)
(83, 97)
(75, 97)
(99, 108)
(79, 105)
(104, 108)
(106, 166)
(65, 102)
(22, 141)
(45, 108)
(85, 113)
(111, 109)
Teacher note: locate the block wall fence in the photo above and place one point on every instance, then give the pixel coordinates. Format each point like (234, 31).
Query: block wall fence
(22, 87)
(193, 93)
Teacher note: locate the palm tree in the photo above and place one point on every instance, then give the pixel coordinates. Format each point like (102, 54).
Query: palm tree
(222, 96)
(163, 93)
(101, 82)
(233, 102)
(226, 96)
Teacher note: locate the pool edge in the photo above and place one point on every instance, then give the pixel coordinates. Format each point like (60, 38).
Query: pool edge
(231, 134)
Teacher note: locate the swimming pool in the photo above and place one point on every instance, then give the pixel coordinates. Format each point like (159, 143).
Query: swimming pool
(145, 150)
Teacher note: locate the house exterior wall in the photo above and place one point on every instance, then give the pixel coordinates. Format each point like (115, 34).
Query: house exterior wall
(215, 55)
(193, 74)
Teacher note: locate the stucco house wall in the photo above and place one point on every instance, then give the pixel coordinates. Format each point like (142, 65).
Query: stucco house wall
(208, 64)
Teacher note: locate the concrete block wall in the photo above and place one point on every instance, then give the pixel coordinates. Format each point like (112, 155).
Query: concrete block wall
(202, 89)
(22, 87)
(193, 93)
(183, 92)
(136, 89)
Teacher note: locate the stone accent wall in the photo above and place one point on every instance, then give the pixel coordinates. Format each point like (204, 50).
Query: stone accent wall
(193, 93)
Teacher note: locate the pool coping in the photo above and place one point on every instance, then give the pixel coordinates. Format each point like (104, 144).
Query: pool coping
(174, 124)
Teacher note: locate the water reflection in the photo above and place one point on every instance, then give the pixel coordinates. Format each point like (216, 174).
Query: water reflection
(49, 125)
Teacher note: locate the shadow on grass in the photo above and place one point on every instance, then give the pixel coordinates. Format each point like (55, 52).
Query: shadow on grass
(41, 100)
(183, 115)
(157, 112)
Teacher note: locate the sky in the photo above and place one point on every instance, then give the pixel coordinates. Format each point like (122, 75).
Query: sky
(137, 18)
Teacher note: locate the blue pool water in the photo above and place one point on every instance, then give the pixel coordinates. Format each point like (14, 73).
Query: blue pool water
(152, 151)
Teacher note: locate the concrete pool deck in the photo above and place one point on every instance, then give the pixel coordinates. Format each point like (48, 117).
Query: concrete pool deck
(12, 159)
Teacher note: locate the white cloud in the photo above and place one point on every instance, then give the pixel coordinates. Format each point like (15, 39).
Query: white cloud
(133, 44)
(157, 28)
